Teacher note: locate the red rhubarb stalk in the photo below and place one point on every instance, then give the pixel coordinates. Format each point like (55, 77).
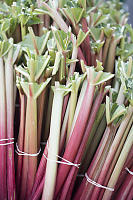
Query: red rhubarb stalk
(130, 195)
(119, 165)
(112, 152)
(77, 133)
(126, 187)
(9, 74)
(40, 172)
(3, 187)
(69, 183)
(86, 42)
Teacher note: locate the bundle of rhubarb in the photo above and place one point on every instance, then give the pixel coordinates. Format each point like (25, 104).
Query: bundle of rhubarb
(66, 103)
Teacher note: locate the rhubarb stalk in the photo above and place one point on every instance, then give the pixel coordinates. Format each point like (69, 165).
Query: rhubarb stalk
(53, 145)
(3, 186)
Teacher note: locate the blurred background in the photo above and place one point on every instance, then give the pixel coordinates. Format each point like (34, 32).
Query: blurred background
(128, 5)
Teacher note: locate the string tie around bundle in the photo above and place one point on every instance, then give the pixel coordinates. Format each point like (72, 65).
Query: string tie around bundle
(97, 184)
(7, 141)
(21, 153)
(66, 162)
(130, 172)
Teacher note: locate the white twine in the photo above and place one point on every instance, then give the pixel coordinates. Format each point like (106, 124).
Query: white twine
(67, 162)
(129, 171)
(21, 153)
(7, 143)
(61, 162)
(97, 184)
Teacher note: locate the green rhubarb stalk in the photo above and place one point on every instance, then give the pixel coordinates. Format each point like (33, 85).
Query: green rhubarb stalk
(3, 186)
(64, 127)
(23, 30)
(111, 55)
(96, 123)
(53, 145)
(41, 103)
(105, 50)
(33, 40)
(108, 33)
(74, 57)
(119, 165)
(54, 72)
(41, 25)
(91, 138)
(47, 125)
(73, 101)
(121, 96)
(95, 142)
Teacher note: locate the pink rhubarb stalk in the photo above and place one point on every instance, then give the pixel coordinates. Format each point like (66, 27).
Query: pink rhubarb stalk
(77, 133)
(3, 186)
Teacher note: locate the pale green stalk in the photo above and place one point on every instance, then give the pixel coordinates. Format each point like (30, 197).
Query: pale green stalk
(41, 102)
(120, 97)
(40, 108)
(53, 145)
(111, 55)
(95, 142)
(73, 102)
(119, 165)
(92, 136)
(47, 125)
(96, 123)
(105, 50)
(54, 72)
(74, 56)
(116, 85)
(23, 30)
(64, 126)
